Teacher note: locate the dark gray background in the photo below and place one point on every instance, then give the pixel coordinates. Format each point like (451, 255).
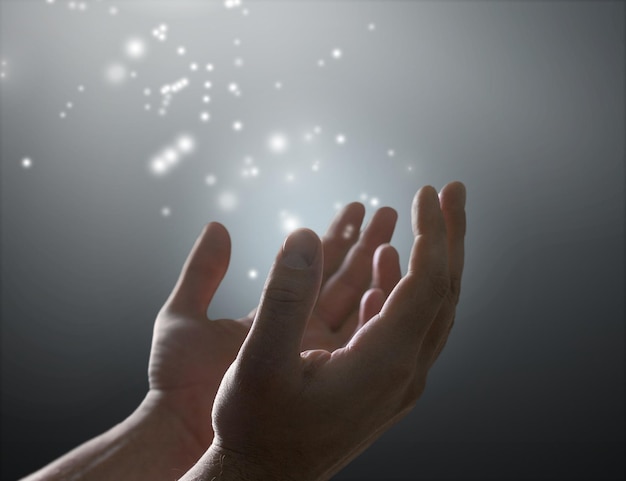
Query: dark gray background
(523, 101)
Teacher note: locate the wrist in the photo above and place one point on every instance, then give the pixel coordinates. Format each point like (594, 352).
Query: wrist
(221, 464)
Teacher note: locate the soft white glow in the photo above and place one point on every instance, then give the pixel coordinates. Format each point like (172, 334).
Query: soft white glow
(237, 126)
(135, 48)
(210, 179)
(181, 50)
(116, 73)
(253, 274)
(186, 143)
(205, 117)
(391, 153)
(166, 211)
(371, 27)
(278, 143)
(27, 163)
(340, 139)
(336, 53)
(290, 222)
(374, 202)
(228, 200)
(348, 231)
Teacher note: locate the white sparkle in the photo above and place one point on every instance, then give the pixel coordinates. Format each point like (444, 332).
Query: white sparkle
(237, 42)
(348, 231)
(27, 163)
(81, 88)
(114, 10)
(116, 73)
(253, 274)
(321, 63)
(371, 27)
(316, 166)
(278, 85)
(391, 153)
(206, 99)
(135, 47)
(317, 130)
(209, 67)
(289, 222)
(340, 139)
(147, 92)
(208, 85)
(166, 211)
(336, 53)
(147, 106)
(374, 202)
(133, 74)
(278, 143)
(237, 126)
(210, 179)
(205, 116)
(69, 105)
(238, 62)
(193, 67)
(186, 143)
(228, 200)
(181, 50)
(62, 115)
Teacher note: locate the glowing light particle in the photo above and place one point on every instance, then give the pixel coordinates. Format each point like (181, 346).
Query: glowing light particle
(135, 48)
(278, 85)
(210, 179)
(205, 117)
(181, 50)
(113, 11)
(316, 166)
(233, 87)
(237, 42)
(116, 73)
(208, 85)
(193, 67)
(348, 231)
(206, 99)
(321, 63)
(237, 126)
(81, 88)
(69, 105)
(186, 144)
(290, 222)
(209, 67)
(337, 54)
(340, 139)
(170, 157)
(253, 274)
(147, 92)
(374, 202)
(27, 163)
(228, 200)
(391, 153)
(238, 62)
(278, 143)
(371, 27)
(166, 211)
(62, 115)
(290, 177)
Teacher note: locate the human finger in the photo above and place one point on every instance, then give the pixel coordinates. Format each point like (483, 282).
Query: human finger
(452, 198)
(415, 301)
(204, 269)
(342, 293)
(341, 236)
(287, 301)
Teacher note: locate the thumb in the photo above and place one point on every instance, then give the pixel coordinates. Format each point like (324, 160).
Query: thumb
(287, 301)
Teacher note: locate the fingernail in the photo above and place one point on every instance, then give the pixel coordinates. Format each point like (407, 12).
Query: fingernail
(299, 249)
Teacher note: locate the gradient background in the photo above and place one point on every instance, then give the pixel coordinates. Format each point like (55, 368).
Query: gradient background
(523, 101)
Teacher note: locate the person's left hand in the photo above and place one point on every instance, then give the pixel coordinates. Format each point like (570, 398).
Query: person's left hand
(191, 353)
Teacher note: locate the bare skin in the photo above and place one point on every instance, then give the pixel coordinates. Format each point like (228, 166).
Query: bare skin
(190, 353)
(286, 413)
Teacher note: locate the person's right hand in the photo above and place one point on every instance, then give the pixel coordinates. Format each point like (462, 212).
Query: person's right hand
(285, 414)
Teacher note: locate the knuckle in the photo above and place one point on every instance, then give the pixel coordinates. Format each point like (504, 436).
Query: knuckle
(284, 294)
(454, 292)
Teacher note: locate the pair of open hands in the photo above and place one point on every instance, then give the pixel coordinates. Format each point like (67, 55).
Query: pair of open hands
(337, 351)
